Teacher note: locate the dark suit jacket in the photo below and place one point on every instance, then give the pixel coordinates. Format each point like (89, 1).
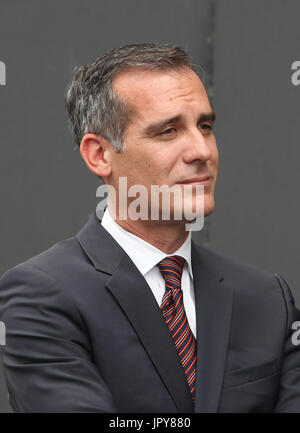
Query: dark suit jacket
(85, 334)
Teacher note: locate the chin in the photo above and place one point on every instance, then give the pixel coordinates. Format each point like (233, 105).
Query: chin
(189, 211)
(207, 209)
(209, 205)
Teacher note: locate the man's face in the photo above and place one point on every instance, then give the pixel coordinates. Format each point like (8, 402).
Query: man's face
(169, 140)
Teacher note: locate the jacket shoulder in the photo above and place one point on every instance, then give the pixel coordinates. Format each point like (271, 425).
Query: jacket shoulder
(53, 258)
(51, 271)
(240, 274)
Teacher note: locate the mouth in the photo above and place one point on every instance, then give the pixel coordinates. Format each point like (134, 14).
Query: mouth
(205, 180)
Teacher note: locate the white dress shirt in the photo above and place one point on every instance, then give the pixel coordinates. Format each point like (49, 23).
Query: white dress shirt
(145, 257)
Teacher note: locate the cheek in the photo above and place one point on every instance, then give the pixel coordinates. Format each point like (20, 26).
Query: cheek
(151, 163)
(215, 156)
(139, 169)
(146, 166)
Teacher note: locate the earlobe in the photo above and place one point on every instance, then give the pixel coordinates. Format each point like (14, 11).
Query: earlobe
(95, 151)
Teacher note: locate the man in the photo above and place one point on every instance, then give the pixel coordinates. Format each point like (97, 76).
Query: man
(130, 315)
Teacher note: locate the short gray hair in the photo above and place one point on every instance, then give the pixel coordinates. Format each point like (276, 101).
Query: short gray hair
(93, 106)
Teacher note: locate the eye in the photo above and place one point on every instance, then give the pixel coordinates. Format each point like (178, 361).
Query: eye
(207, 127)
(167, 131)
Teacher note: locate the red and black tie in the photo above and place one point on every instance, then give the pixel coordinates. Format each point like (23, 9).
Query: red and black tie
(174, 313)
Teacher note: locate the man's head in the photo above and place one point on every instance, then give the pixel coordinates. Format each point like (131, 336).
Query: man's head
(91, 101)
(141, 112)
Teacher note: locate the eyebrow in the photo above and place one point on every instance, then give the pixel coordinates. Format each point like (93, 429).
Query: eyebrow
(151, 129)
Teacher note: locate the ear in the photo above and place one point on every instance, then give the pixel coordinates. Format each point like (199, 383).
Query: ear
(95, 150)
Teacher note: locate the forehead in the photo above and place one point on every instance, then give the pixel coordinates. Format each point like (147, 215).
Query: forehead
(155, 93)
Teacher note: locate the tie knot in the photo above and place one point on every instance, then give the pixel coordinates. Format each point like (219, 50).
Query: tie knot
(171, 269)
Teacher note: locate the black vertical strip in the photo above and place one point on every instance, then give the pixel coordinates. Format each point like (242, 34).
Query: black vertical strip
(209, 85)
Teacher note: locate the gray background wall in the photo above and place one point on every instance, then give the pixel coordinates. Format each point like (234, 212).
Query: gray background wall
(258, 129)
(246, 48)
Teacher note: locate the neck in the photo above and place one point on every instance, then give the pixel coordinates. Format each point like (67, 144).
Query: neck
(167, 236)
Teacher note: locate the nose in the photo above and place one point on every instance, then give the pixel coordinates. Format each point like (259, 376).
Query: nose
(198, 147)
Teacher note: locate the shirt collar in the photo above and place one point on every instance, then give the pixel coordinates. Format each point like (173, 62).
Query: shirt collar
(144, 255)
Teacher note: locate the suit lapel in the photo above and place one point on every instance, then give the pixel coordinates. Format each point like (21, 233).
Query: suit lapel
(213, 299)
(132, 292)
(134, 295)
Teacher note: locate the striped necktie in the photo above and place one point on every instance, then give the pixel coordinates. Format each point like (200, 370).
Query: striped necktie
(174, 313)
